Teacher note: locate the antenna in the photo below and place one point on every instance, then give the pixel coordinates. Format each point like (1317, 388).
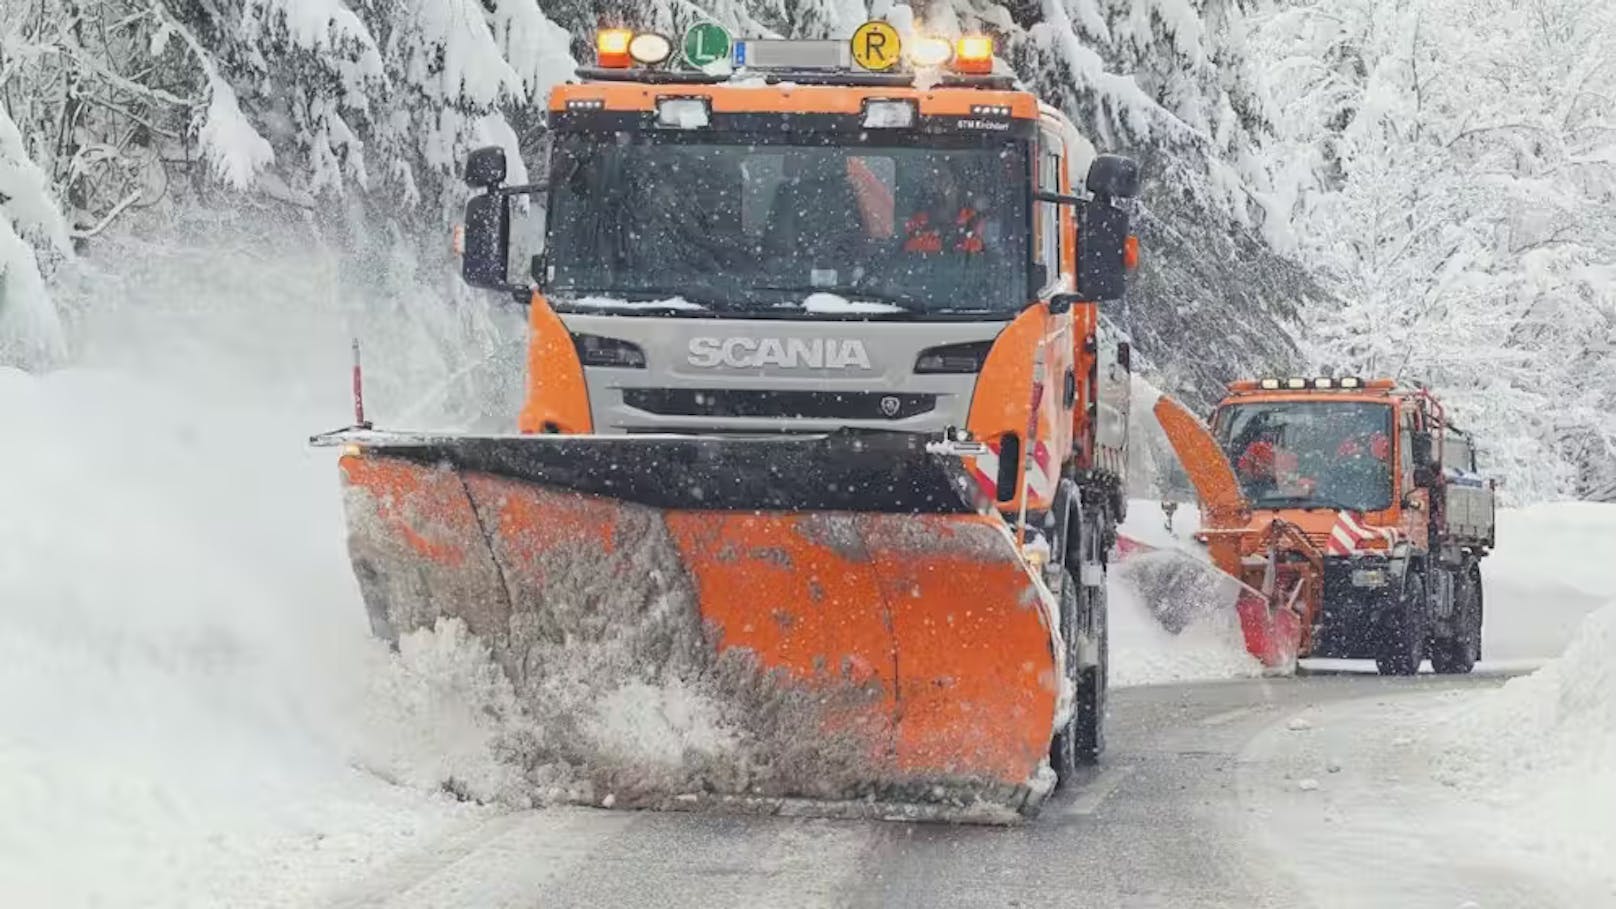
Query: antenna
(358, 390)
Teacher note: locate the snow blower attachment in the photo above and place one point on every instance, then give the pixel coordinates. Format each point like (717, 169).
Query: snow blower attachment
(1280, 571)
(858, 629)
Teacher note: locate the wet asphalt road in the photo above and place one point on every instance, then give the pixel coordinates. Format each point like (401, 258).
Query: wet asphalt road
(1161, 822)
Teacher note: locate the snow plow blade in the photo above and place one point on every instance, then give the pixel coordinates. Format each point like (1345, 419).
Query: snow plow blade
(821, 618)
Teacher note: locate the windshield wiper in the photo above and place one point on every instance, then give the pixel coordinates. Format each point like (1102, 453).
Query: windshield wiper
(705, 298)
(1308, 503)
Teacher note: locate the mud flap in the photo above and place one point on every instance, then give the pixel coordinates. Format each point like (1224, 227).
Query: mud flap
(887, 644)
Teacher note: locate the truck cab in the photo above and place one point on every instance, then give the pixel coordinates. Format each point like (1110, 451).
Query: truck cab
(790, 243)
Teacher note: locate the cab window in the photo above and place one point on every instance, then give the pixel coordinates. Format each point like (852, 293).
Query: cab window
(1046, 226)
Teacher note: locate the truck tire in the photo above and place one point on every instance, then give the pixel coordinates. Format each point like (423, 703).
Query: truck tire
(1084, 610)
(1403, 629)
(1063, 755)
(1093, 683)
(1457, 654)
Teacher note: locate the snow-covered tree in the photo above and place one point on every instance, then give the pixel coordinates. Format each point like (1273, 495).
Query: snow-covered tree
(1451, 165)
(29, 332)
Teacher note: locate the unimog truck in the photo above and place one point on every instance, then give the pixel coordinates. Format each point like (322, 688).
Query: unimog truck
(1355, 506)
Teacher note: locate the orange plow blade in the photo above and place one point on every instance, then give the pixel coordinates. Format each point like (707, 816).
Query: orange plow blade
(684, 643)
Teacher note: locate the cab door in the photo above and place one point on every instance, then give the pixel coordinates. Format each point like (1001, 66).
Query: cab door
(1413, 503)
(1055, 249)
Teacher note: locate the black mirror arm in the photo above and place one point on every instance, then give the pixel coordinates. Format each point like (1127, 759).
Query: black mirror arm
(526, 189)
(1058, 198)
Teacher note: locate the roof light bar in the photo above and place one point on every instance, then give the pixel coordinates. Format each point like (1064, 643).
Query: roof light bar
(1351, 382)
(974, 54)
(929, 52)
(1268, 384)
(650, 48)
(612, 48)
(1323, 382)
(1296, 382)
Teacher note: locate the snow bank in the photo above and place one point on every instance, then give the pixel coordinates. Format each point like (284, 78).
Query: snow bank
(1542, 749)
(1553, 566)
(194, 716)
(196, 713)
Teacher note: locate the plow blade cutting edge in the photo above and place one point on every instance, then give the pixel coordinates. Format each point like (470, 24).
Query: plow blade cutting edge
(824, 618)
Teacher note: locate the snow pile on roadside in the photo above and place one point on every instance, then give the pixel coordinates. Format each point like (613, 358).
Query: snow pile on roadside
(198, 715)
(1552, 567)
(1543, 750)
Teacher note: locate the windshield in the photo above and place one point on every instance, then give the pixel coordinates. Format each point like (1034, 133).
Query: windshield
(733, 222)
(1304, 454)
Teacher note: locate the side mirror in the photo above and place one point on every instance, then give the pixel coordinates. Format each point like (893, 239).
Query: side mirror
(1420, 445)
(1125, 356)
(483, 255)
(485, 167)
(1102, 238)
(1425, 467)
(1113, 176)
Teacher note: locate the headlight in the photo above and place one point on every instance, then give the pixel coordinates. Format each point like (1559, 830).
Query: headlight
(954, 358)
(1369, 577)
(594, 350)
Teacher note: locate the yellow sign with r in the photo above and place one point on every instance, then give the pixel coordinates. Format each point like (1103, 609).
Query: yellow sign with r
(876, 46)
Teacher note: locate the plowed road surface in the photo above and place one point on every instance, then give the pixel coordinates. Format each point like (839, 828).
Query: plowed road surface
(1206, 798)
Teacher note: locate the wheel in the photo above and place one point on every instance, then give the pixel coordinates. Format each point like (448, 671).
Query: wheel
(1457, 655)
(1092, 685)
(1063, 748)
(1403, 630)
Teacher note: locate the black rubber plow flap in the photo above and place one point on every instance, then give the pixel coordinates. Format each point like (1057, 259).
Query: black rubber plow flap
(861, 471)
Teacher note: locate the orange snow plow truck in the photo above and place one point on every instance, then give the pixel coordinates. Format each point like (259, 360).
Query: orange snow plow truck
(1356, 511)
(822, 445)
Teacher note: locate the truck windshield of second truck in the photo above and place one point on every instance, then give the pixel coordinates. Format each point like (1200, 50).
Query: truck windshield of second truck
(1304, 454)
(733, 223)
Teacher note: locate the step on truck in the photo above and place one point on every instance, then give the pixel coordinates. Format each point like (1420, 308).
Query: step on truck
(1355, 507)
(822, 438)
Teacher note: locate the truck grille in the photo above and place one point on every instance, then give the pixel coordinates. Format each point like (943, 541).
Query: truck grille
(822, 405)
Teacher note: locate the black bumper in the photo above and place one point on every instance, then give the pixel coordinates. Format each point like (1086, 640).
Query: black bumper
(1349, 627)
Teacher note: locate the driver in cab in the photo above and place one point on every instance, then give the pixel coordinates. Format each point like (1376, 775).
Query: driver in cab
(951, 221)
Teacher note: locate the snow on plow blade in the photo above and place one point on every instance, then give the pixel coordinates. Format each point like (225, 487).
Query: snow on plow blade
(812, 618)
